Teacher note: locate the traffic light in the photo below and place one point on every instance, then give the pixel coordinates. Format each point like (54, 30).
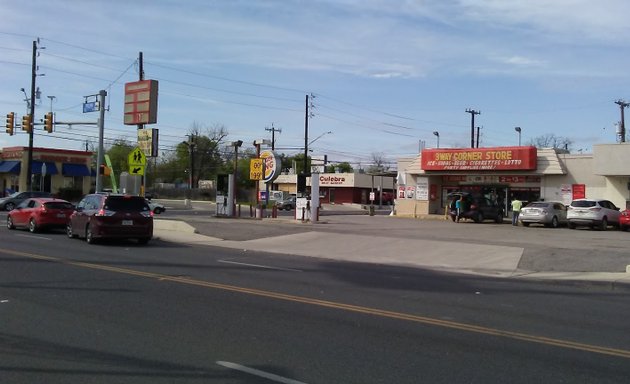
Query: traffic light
(105, 170)
(10, 122)
(48, 122)
(26, 123)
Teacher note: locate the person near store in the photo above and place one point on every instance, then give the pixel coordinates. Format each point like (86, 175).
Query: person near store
(458, 208)
(516, 210)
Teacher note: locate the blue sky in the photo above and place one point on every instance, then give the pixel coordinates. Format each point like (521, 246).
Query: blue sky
(385, 74)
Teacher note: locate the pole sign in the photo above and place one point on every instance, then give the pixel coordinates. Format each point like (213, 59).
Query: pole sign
(256, 169)
(148, 141)
(141, 102)
(272, 165)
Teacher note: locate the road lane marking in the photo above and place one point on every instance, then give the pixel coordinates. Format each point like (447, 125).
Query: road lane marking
(259, 373)
(340, 306)
(34, 237)
(259, 266)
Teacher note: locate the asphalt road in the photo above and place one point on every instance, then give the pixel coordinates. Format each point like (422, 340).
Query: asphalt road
(169, 313)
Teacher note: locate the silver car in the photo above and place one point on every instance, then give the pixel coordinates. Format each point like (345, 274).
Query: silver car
(548, 213)
(593, 213)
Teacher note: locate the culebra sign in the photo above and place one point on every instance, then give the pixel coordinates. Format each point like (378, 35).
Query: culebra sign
(479, 159)
(336, 180)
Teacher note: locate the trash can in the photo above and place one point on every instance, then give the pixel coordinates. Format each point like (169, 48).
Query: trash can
(259, 213)
(371, 209)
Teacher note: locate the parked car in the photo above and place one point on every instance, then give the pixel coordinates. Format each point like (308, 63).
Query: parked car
(156, 207)
(40, 212)
(288, 203)
(100, 216)
(548, 213)
(593, 212)
(624, 220)
(14, 199)
(477, 208)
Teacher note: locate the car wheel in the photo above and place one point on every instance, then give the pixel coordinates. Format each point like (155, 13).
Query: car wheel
(156, 210)
(554, 222)
(499, 218)
(525, 224)
(143, 240)
(9, 206)
(69, 231)
(32, 226)
(623, 227)
(89, 236)
(604, 225)
(571, 225)
(10, 223)
(479, 217)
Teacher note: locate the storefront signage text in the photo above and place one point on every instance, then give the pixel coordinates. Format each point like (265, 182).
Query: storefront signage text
(490, 159)
(331, 180)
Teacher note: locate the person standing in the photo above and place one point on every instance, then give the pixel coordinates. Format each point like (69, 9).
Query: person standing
(516, 210)
(458, 207)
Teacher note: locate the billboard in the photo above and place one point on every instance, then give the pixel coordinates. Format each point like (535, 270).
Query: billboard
(141, 102)
(148, 141)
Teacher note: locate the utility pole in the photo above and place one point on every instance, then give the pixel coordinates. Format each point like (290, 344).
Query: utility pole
(622, 132)
(191, 151)
(273, 135)
(101, 133)
(478, 128)
(306, 115)
(472, 125)
(29, 163)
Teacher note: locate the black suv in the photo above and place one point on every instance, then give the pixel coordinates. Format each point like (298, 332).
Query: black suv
(477, 208)
(112, 216)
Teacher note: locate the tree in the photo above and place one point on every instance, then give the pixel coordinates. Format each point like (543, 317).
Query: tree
(343, 167)
(550, 140)
(378, 163)
(205, 145)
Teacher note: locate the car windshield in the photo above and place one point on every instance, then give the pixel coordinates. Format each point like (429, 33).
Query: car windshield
(538, 205)
(14, 194)
(583, 203)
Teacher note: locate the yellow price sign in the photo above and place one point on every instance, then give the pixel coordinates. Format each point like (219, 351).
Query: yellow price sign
(256, 169)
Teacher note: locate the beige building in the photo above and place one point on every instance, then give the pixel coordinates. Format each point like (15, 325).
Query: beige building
(504, 173)
(342, 188)
(51, 170)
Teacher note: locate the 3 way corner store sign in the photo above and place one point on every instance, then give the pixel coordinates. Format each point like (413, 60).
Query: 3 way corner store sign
(137, 161)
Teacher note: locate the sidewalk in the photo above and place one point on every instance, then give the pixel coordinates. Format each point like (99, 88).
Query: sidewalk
(329, 240)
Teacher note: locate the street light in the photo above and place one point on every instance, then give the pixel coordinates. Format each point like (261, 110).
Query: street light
(319, 137)
(437, 134)
(518, 129)
(51, 101)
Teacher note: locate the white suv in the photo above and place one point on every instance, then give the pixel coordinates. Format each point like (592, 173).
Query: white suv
(592, 212)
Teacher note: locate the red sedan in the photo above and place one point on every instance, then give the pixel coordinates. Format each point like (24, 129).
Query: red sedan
(40, 212)
(624, 220)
